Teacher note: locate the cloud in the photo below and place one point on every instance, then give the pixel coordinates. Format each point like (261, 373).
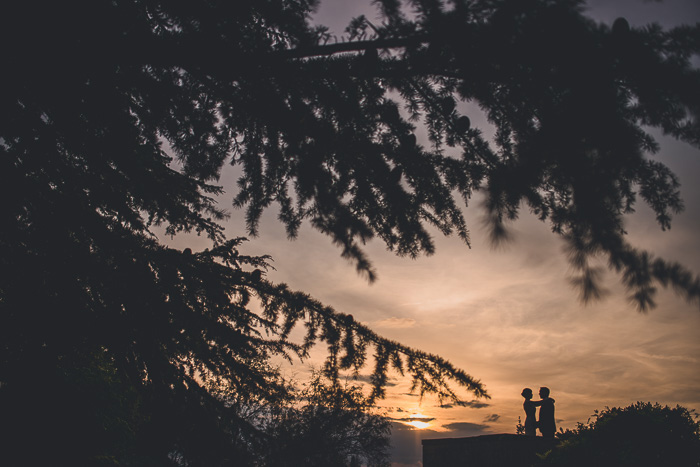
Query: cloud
(471, 404)
(671, 358)
(464, 429)
(397, 323)
(413, 419)
(494, 417)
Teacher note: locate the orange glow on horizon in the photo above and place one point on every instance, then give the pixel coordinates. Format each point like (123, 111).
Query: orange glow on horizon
(417, 423)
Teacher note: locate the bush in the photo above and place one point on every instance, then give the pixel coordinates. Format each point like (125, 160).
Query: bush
(638, 435)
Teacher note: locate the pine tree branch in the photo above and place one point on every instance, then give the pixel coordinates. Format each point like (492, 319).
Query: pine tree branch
(356, 46)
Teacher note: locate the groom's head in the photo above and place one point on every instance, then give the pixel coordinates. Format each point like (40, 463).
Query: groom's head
(544, 392)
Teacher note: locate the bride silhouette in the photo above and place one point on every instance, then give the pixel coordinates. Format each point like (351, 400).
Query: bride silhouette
(530, 416)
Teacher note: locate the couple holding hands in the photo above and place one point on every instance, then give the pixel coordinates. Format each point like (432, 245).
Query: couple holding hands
(546, 420)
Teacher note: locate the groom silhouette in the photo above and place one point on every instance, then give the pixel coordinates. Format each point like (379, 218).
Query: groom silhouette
(546, 422)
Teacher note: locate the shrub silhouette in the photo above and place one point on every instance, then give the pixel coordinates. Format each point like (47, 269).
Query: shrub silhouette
(638, 435)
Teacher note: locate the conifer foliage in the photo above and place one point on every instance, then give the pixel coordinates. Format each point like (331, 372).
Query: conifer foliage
(99, 94)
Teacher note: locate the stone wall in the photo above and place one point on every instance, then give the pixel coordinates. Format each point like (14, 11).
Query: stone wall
(487, 450)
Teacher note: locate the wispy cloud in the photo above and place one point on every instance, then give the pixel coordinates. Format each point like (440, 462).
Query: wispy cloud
(471, 404)
(467, 428)
(413, 419)
(672, 358)
(395, 322)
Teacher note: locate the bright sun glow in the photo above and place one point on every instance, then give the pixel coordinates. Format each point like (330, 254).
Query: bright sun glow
(417, 423)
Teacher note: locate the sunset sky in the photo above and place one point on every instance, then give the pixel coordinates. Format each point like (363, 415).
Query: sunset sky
(509, 317)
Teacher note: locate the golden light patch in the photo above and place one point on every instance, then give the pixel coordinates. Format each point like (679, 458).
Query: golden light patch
(418, 424)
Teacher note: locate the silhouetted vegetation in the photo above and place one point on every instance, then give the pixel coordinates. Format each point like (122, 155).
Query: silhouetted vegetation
(638, 435)
(118, 116)
(325, 425)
